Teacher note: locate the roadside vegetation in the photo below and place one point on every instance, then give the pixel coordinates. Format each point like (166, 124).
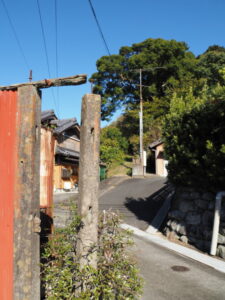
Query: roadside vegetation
(123, 168)
(116, 276)
(194, 139)
(184, 103)
(171, 76)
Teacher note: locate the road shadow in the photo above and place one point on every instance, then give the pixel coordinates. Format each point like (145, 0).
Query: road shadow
(145, 209)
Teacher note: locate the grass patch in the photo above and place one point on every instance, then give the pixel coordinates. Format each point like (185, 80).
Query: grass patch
(120, 169)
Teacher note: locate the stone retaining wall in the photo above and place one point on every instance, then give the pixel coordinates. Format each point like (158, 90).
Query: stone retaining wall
(190, 219)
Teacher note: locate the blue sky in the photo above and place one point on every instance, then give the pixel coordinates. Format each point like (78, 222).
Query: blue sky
(200, 23)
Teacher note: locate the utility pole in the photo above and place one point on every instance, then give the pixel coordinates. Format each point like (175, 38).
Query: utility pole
(30, 75)
(141, 121)
(140, 169)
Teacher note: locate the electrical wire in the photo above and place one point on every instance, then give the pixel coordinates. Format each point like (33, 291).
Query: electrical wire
(44, 39)
(56, 39)
(99, 27)
(15, 34)
(45, 50)
(56, 53)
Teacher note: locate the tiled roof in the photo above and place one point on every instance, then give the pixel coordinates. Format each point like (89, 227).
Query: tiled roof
(67, 152)
(62, 125)
(48, 115)
(155, 144)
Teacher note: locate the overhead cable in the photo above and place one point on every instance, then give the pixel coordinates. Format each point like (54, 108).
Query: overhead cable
(45, 49)
(44, 39)
(15, 34)
(99, 27)
(56, 39)
(56, 54)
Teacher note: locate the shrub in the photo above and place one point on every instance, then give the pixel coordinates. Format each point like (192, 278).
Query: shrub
(195, 142)
(116, 277)
(113, 146)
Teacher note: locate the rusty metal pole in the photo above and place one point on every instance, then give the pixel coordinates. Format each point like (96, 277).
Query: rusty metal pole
(26, 214)
(89, 179)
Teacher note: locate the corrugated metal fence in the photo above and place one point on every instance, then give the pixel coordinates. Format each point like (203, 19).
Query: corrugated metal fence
(8, 162)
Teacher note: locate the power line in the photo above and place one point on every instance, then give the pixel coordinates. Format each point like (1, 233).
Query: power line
(99, 27)
(45, 49)
(56, 39)
(15, 34)
(56, 53)
(44, 39)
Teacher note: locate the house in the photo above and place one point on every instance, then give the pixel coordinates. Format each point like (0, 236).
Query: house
(59, 159)
(67, 153)
(160, 162)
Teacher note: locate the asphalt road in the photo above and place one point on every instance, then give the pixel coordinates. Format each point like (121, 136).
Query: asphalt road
(136, 199)
(163, 283)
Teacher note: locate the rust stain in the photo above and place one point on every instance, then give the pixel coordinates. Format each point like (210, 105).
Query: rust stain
(17, 212)
(46, 170)
(8, 162)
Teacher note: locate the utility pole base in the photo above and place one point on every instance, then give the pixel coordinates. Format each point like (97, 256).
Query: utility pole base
(137, 170)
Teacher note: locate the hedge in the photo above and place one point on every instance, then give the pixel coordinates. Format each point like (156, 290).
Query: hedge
(195, 145)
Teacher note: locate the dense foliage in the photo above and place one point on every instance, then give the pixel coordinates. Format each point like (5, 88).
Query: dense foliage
(195, 140)
(168, 68)
(128, 124)
(116, 277)
(209, 65)
(166, 65)
(113, 146)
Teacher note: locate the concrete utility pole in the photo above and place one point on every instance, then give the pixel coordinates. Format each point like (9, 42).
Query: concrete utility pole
(142, 168)
(141, 121)
(89, 179)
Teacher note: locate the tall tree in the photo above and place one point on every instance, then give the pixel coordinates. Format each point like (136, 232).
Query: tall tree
(166, 65)
(113, 146)
(210, 64)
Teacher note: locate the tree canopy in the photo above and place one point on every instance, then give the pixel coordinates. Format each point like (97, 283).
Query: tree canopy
(166, 64)
(169, 71)
(113, 146)
(209, 65)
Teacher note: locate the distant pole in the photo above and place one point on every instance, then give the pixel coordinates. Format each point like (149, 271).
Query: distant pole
(141, 120)
(89, 180)
(31, 75)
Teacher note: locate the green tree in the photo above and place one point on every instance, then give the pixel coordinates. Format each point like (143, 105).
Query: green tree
(194, 139)
(128, 124)
(113, 146)
(168, 64)
(209, 65)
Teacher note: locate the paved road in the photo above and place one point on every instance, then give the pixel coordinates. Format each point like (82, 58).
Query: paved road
(137, 199)
(162, 283)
